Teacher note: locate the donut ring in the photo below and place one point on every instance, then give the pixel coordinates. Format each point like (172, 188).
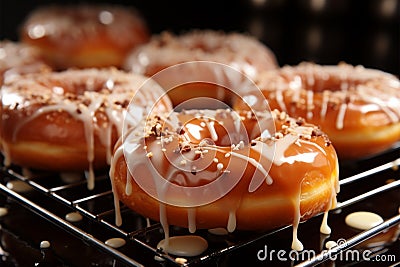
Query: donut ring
(243, 53)
(358, 108)
(85, 35)
(70, 121)
(17, 58)
(196, 148)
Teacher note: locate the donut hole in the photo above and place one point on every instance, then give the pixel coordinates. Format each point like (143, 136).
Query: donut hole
(218, 128)
(200, 95)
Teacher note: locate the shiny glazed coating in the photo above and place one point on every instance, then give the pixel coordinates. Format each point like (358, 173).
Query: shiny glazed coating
(70, 120)
(358, 108)
(241, 52)
(85, 35)
(252, 172)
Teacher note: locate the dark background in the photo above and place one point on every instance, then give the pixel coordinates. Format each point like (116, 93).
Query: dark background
(362, 32)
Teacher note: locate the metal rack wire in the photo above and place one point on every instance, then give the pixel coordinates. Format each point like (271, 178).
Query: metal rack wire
(97, 206)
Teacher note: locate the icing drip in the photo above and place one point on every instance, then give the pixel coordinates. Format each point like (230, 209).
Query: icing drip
(310, 105)
(343, 85)
(186, 160)
(324, 105)
(231, 226)
(340, 116)
(118, 217)
(128, 187)
(191, 220)
(97, 98)
(325, 229)
(296, 243)
(164, 224)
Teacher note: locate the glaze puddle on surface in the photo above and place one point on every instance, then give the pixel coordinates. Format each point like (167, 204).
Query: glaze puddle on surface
(187, 245)
(363, 220)
(73, 217)
(115, 242)
(44, 244)
(19, 186)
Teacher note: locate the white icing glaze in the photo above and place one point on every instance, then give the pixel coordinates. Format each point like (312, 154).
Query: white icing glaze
(296, 243)
(330, 244)
(73, 217)
(324, 105)
(310, 105)
(231, 225)
(120, 87)
(186, 246)
(165, 225)
(180, 260)
(191, 220)
(118, 217)
(19, 186)
(115, 242)
(325, 229)
(3, 211)
(363, 220)
(378, 90)
(340, 117)
(135, 162)
(44, 244)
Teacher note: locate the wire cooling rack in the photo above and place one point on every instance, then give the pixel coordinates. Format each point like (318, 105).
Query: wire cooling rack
(372, 184)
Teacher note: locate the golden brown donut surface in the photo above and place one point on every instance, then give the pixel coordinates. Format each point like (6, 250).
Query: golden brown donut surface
(358, 108)
(210, 169)
(239, 51)
(71, 120)
(85, 35)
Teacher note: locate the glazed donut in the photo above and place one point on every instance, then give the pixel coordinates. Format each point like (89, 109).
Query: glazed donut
(70, 121)
(358, 108)
(242, 52)
(85, 36)
(17, 58)
(221, 168)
